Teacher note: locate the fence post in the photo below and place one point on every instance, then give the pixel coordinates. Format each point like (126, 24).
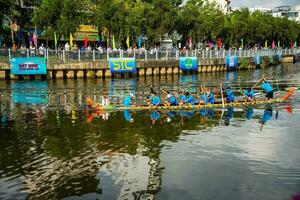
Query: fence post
(187, 53)
(134, 53)
(203, 53)
(145, 54)
(9, 54)
(64, 55)
(177, 54)
(210, 54)
(156, 54)
(107, 54)
(94, 55)
(78, 54)
(27, 52)
(120, 52)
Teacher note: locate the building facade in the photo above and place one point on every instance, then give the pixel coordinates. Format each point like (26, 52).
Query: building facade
(287, 11)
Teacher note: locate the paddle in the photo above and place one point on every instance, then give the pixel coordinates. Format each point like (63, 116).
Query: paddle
(223, 104)
(254, 86)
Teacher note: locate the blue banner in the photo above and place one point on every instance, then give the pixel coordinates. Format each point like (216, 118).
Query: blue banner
(122, 65)
(29, 92)
(28, 66)
(257, 60)
(231, 61)
(188, 63)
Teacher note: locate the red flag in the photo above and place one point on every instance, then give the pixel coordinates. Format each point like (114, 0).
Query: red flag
(273, 44)
(190, 42)
(34, 39)
(291, 44)
(86, 41)
(219, 43)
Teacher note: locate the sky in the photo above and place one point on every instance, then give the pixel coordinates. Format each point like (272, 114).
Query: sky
(264, 3)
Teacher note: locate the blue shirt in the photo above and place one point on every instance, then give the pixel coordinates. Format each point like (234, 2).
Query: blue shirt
(249, 113)
(230, 112)
(127, 115)
(127, 101)
(267, 86)
(173, 100)
(204, 98)
(211, 98)
(266, 116)
(189, 99)
(182, 98)
(154, 115)
(248, 93)
(155, 100)
(230, 96)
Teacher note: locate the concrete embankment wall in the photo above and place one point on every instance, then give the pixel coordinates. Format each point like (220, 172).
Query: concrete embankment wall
(100, 69)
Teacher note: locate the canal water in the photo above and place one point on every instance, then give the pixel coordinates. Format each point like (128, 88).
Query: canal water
(53, 147)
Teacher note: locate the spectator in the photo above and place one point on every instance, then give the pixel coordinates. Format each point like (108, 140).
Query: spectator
(67, 47)
(23, 50)
(32, 50)
(42, 50)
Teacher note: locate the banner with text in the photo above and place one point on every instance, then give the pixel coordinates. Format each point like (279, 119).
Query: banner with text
(28, 66)
(231, 61)
(122, 65)
(188, 63)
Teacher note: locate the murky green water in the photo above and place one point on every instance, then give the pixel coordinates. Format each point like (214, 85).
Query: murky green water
(51, 147)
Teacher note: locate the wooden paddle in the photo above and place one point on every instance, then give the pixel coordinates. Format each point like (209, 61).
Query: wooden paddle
(254, 86)
(223, 103)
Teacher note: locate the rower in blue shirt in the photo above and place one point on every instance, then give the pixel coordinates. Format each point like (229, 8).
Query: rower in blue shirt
(268, 88)
(189, 100)
(182, 97)
(128, 100)
(172, 101)
(207, 97)
(249, 95)
(229, 95)
(210, 97)
(154, 99)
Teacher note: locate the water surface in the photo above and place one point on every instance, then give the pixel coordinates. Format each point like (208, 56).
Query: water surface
(52, 147)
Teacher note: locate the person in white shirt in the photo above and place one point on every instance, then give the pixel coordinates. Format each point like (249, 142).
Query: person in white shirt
(42, 50)
(67, 47)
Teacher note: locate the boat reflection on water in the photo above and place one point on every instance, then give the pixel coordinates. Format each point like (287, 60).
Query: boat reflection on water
(207, 116)
(267, 116)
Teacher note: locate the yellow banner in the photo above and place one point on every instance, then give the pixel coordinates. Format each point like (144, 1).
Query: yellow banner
(87, 28)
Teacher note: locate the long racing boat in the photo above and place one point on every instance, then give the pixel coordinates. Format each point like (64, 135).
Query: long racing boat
(280, 99)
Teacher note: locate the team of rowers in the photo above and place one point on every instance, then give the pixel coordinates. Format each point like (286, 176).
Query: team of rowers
(206, 96)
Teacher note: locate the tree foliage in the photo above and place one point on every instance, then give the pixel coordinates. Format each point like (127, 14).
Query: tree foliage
(198, 19)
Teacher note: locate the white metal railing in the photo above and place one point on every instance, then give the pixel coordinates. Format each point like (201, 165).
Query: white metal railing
(95, 55)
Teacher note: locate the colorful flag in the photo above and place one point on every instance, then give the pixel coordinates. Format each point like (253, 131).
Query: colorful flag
(55, 40)
(190, 42)
(139, 41)
(291, 44)
(113, 42)
(34, 37)
(219, 43)
(266, 44)
(127, 41)
(273, 44)
(71, 40)
(295, 44)
(86, 41)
